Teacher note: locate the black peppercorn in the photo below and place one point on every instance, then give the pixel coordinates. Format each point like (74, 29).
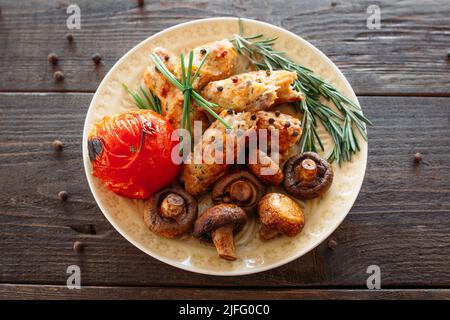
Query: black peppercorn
(271, 120)
(78, 246)
(166, 58)
(287, 124)
(52, 58)
(203, 51)
(295, 134)
(332, 244)
(417, 157)
(57, 145)
(277, 113)
(268, 72)
(220, 88)
(63, 195)
(69, 37)
(230, 111)
(253, 117)
(96, 58)
(58, 76)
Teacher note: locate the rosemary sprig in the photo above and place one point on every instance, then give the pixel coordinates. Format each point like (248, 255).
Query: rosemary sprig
(148, 101)
(185, 86)
(340, 125)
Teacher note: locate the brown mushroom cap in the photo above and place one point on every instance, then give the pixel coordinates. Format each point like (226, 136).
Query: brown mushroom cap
(170, 212)
(241, 188)
(219, 216)
(307, 176)
(279, 214)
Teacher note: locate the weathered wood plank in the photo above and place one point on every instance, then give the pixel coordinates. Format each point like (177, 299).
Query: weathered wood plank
(399, 222)
(33, 292)
(407, 56)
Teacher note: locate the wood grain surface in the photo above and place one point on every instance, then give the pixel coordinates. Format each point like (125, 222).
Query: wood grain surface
(31, 292)
(408, 55)
(400, 221)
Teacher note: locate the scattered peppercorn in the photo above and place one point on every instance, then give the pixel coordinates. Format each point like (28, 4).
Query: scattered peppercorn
(332, 244)
(220, 88)
(277, 113)
(287, 124)
(203, 51)
(58, 76)
(57, 145)
(230, 111)
(253, 117)
(271, 120)
(417, 157)
(52, 58)
(96, 58)
(78, 246)
(69, 37)
(166, 58)
(63, 195)
(295, 134)
(268, 72)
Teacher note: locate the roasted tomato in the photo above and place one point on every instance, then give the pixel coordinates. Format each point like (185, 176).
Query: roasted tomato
(131, 153)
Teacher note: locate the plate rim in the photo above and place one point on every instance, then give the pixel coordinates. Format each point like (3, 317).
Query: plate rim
(180, 265)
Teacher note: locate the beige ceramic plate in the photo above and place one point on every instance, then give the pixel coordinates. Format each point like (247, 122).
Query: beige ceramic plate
(322, 216)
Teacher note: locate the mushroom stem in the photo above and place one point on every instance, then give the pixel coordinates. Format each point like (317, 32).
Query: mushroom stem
(307, 170)
(241, 191)
(224, 242)
(267, 233)
(172, 206)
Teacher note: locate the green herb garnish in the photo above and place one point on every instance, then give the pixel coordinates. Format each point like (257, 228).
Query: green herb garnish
(340, 125)
(185, 86)
(148, 101)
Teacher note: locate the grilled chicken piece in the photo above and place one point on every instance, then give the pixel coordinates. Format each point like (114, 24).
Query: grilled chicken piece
(253, 91)
(214, 154)
(219, 64)
(171, 98)
(265, 168)
(266, 165)
(288, 127)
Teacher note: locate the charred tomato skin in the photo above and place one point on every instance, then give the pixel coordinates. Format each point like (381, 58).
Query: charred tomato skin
(131, 153)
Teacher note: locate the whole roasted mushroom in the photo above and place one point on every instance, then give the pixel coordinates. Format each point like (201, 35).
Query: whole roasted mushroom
(241, 188)
(307, 176)
(279, 214)
(219, 224)
(170, 212)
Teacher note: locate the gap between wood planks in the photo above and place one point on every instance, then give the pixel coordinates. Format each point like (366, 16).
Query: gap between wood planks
(107, 292)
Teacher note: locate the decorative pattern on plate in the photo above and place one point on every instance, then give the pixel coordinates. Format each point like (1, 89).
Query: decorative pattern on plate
(322, 216)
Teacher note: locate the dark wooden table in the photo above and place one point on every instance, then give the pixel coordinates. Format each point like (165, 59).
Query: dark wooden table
(400, 221)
